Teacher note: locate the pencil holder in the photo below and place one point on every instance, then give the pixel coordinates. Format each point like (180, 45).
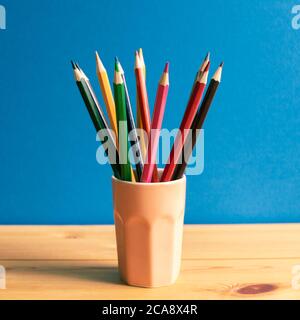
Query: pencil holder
(149, 226)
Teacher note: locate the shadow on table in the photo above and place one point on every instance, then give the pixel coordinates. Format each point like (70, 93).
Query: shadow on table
(95, 273)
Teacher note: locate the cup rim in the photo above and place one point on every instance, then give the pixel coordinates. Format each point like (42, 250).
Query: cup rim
(150, 184)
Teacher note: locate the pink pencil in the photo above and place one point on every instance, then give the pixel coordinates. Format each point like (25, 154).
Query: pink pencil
(158, 114)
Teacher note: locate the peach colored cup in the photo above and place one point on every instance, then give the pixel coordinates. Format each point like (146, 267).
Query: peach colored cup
(149, 225)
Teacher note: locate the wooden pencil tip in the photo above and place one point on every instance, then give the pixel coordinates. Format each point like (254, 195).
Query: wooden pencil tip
(99, 64)
(137, 61)
(73, 65)
(166, 69)
(218, 74)
(120, 68)
(207, 66)
(207, 57)
(222, 64)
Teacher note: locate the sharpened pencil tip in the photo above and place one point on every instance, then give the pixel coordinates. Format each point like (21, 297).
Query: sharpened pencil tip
(116, 64)
(73, 65)
(222, 64)
(120, 68)
(137, 64)
(99, 65)
(166, 69)
(207, 57)
(207, 66)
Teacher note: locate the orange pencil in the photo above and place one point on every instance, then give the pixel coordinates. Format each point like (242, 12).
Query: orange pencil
(158, 114)
(143, 103)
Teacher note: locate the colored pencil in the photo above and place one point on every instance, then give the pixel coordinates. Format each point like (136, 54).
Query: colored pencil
(158, 114)
(135, 144)
(198, 121)
(199, 73)
(96, 114)
(141, 56)
(138, 113)
(120, 102)
(107, 94)
(143, 103)
(186, 123)
(97, 104)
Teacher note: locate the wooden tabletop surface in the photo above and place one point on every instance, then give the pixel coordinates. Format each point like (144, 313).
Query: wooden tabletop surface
(219, 262)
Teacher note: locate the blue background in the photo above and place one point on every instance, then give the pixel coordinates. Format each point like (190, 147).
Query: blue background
(48, 171)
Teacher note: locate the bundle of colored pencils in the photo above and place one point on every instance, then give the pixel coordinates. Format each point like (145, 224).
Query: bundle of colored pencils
(121, 131)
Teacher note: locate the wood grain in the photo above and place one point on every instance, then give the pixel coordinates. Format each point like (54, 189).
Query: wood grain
(219, 262)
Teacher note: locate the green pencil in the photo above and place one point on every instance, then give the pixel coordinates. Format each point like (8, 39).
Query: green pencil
(120, 101)
(95, 113)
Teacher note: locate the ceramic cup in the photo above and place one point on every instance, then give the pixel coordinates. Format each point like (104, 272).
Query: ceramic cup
(149, 226)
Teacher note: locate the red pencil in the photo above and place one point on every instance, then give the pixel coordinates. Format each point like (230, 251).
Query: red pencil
(158, 114)
(143, 102)
(186, 123)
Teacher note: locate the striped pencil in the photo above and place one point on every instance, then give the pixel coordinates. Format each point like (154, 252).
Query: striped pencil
(135, 144)
(143, 104)
(96, 115)
(107, 94)
(120, 101)
(158, 114)
(186, 123)
(198, 121)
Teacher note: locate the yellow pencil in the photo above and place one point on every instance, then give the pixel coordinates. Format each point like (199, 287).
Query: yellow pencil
(107, 94)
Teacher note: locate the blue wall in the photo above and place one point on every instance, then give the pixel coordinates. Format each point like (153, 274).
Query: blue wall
(48, 171)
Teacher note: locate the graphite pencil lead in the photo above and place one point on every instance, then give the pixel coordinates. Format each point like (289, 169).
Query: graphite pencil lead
(73, 64)
(166, 69)
(116, 65)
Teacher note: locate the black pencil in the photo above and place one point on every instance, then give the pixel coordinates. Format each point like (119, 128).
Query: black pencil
(198, 123)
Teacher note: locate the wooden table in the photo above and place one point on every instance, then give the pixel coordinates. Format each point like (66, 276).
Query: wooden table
(219, 262)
